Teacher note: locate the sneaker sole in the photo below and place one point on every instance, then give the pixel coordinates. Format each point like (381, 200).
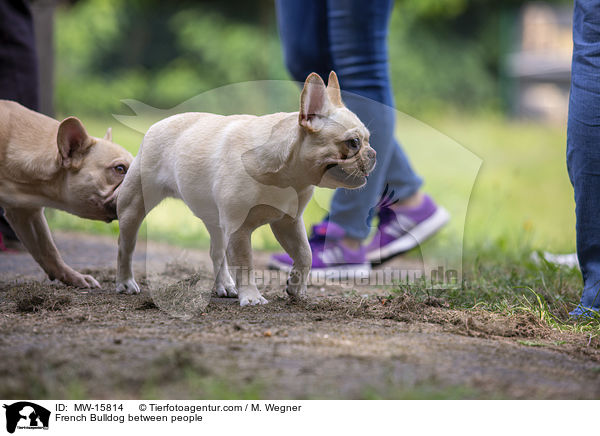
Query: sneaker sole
(340, 272)
(413, 238)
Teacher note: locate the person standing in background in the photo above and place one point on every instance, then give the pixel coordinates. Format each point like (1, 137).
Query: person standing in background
(350, 37)
(583, 148)
(18, 58)
(18, 69)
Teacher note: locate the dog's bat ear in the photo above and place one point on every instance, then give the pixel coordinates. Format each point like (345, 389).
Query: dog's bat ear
(73, 141)
(108, 134)
(314, 103)
(333, 90)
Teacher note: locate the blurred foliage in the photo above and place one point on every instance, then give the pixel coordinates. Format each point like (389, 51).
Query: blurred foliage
(444, 53)
(161, 53)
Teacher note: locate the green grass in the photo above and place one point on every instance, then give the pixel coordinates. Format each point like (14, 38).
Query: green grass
(201, 386)
(510, 284)
(427, 391)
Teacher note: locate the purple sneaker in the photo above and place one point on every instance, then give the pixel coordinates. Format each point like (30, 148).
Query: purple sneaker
(403, 228)
(330, 258)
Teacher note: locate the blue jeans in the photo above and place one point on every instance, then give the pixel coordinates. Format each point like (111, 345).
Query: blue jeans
(583, 144)
(350, 37)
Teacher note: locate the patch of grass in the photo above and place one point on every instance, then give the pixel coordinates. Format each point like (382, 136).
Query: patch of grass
(511, 283)
(76, 390)
(540, 344)
(200, 385)
(223, 388)
(181, 371)
(532, 343)
(522, 195)
(426, 391)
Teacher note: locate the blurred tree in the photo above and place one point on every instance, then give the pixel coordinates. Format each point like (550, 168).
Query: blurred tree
(160, 52)
(445, 53)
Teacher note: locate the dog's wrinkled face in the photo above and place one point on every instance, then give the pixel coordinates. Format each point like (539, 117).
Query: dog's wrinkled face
(347, 159)
(95, 170)
(337, 142)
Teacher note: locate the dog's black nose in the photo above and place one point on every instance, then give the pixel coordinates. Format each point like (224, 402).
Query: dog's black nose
(371, 154)
(111, 212)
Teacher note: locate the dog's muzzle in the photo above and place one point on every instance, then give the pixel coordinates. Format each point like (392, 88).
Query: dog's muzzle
(371, 161)
(110, 204)
(111, 212)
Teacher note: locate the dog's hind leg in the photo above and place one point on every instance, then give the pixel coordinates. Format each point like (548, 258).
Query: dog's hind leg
(132, 206)
(224, 284)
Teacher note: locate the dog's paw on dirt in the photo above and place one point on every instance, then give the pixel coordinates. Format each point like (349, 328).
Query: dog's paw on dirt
(128, 287)
(226, 290)
(251, 297)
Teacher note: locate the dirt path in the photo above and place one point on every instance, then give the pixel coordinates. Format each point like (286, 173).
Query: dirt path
(57, 341)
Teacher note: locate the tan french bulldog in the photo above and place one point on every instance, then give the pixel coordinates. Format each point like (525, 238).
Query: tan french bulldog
(239, 172)
(44, 163)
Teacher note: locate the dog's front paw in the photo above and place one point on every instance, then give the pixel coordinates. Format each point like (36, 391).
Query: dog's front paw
(85, 281)
(128, 286)
(252, 301)
(295, 286)
(251, 297)
(226, 290)
(296, 291)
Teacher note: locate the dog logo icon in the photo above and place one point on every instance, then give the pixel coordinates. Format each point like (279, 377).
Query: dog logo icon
(26, 415)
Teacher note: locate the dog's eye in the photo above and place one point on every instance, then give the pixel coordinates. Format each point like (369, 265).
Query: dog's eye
(121, 169)
(353, 144)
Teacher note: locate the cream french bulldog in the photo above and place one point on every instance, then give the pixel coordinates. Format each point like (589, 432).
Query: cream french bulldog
(44, 163)
(239, 172)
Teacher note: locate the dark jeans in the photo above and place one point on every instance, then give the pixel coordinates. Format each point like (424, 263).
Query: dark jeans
(18, 64)
(350, 37)
(583, 144)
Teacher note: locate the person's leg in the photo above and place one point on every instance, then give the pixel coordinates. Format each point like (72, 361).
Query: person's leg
(358, 36)
(304, 37)
(18, 61)
(583, 145)
(350, 37)
(18, 68)
(396, 180)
